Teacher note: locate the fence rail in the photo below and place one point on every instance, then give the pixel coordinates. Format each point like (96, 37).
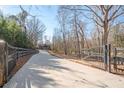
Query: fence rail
(94, 56)
(8, 58)
(118, 59)
(105, 57)
(95, 53)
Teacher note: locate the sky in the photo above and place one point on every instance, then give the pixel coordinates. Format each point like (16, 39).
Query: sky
(47, 14)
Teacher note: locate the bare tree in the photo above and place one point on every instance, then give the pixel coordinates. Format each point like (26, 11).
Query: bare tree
(57, 41)
(62, 22)
(104, 16)
(77, 34)
(71, 24)
(35, 30)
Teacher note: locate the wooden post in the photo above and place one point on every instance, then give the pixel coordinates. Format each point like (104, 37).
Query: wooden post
(3, 62)
(109, 58)
(105, 56)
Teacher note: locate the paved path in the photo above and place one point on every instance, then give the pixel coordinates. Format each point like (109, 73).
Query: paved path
(44, 70)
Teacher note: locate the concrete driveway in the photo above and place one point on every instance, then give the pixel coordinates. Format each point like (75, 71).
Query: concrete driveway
(44, 70)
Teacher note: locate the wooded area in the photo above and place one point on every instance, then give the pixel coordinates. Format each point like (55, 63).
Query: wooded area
(91, 35)
(81, 27)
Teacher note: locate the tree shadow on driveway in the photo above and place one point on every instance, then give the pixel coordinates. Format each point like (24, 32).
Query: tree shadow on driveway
(32, 75)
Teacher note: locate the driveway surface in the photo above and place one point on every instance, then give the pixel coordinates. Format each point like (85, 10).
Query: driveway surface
(44, 70)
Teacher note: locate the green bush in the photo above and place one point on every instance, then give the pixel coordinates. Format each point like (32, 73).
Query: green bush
(12, 33)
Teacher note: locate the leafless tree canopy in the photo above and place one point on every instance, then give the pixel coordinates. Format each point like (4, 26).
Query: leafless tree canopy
(73, 24)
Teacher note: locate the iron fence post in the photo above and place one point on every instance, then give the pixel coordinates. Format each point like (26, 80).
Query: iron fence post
(109, 58)
(115, 54)
(105, 56)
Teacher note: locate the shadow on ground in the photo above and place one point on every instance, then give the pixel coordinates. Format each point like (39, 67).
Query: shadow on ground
(32, 73)
(35, 73)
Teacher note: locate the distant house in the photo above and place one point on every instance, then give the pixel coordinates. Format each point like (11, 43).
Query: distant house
(44, 47)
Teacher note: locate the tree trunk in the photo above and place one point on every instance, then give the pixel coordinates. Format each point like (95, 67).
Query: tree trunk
(105, 34)
(77, 36)
(65, 46)
(105, 25)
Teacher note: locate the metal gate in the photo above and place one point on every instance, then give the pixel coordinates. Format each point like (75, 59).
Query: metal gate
(105, 57)
(94, 56)
(118, 61)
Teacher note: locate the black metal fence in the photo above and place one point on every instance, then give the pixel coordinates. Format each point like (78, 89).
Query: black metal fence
(118, 60)
(8, 58)
(105, 57)
(94, 56)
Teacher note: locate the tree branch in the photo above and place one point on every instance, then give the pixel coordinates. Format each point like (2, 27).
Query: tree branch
(64, 7)
(97, 22)
(102, 8)
(117, 16)
(110, 7)
(114, 13)
(94, 13)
